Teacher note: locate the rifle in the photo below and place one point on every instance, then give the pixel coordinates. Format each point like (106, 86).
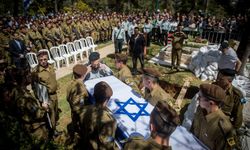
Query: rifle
(42, 94)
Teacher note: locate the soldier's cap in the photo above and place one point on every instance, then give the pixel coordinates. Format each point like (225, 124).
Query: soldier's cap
(102, 92)
(164, 118)
(228, 72)
(213, 92)
(151, 72)
(224, 45)
(80, 69)
(94, 56)
(41, 53)
(121, 57)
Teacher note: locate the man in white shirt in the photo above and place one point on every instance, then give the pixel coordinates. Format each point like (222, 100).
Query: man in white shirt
(229, 58)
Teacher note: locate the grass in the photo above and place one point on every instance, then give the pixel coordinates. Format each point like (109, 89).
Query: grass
(174, 79)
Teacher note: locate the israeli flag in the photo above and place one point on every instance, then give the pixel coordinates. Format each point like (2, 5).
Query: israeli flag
(27, 3)
(132, 114)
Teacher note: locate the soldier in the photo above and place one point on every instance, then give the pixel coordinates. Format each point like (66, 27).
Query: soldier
(234, 100)
(96, 69)
(153, 91)
(124, 73)
(163, 122)
(177, 43)
(147, 28)
(44, 74)
(165, 28)
(48, 35)
(210, 124)
(35, 37)
(77, 95)
(97, 124)
(4, 44)
(30, 112)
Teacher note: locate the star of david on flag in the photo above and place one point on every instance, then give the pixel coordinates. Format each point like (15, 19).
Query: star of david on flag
(132, 103)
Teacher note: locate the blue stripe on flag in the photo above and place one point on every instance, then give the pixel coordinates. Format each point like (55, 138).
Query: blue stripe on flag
(26, 4)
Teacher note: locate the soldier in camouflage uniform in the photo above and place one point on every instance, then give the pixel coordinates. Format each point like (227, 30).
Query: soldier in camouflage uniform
(124, 73)
(30, 112)
(44, 74)
(77, 95)
(97, 124)
(153, 91)
(163, 122)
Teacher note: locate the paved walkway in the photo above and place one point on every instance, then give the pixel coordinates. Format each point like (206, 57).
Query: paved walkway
(64, 71)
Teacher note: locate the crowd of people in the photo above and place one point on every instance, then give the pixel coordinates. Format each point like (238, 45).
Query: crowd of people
(34, 117)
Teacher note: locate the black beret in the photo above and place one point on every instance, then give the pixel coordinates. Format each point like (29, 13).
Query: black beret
(102, 92)
(228, 72)
(79, 69)
(213, 92)
(94, 56)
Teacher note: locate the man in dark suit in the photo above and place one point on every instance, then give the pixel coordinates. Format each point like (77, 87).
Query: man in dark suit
(137, 44)
(17, 51)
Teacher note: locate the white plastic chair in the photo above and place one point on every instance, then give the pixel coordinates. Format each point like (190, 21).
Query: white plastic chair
(55, 52)
(81, 48)
(72, 50)
(50, 60)
(32, 59)
(86, 45)
(91, 43)
(65, 53)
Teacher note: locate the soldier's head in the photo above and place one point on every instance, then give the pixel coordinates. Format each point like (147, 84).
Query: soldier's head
(42, 57)
(79, 71)
(120, 60)
(211, 97)
(102, 93)
(225, 78)
(150, 78)
(94, 60)
(163, 121)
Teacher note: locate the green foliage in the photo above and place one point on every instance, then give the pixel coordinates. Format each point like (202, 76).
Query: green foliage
(80, 5)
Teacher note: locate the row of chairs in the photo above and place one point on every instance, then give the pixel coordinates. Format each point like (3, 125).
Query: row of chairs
(64, 52)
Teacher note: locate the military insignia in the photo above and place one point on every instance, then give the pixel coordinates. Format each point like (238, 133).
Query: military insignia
(231, 141)
(243, 101)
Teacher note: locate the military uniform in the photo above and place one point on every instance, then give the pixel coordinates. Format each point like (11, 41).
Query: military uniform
(48, 37)
(97, 128)
(158, 94)
(32, 115)
(140, 143)
(125, 76)
(36, 38)
(77, 97)
(233, 107)
(47, 77)
(4, 44)
(177, 48)
(212, 129)
(210, 124)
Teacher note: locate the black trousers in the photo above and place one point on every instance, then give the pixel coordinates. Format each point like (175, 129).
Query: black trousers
(164, 37)
(148, 39)
(134, 60)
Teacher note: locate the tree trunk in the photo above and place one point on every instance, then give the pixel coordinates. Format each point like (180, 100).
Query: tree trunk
(15, 8)
(56, 5)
